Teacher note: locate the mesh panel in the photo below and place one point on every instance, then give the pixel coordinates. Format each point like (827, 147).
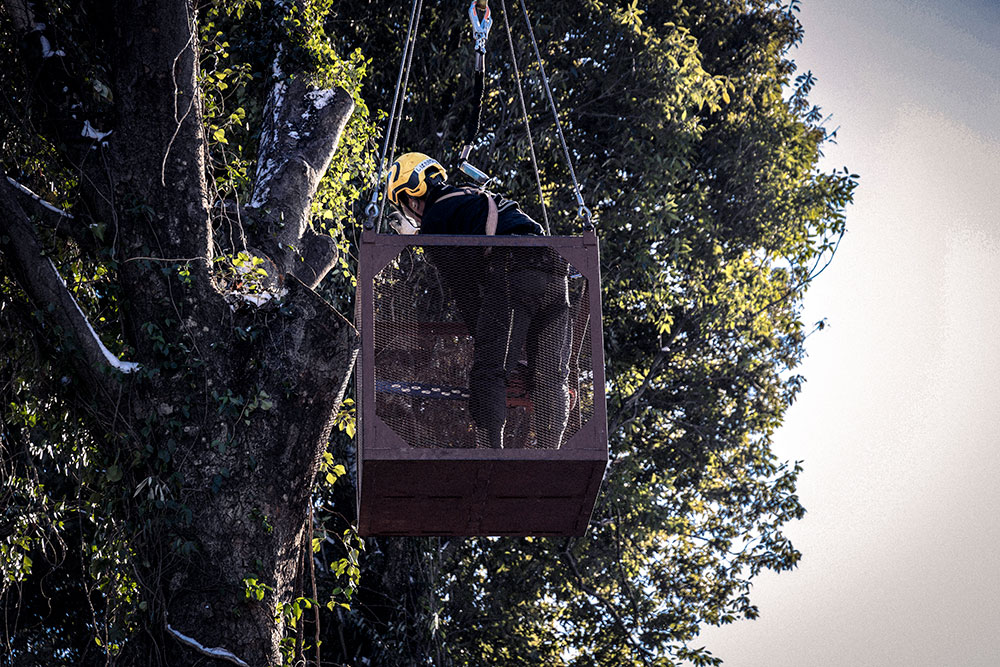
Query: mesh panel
(474, 347)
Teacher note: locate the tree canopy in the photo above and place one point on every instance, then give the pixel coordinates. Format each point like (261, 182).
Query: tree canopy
(183, 189)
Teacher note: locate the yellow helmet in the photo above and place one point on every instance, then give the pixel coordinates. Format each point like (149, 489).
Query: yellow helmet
(412, 174)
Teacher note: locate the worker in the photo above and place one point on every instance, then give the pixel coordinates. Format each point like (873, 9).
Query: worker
(510, 298)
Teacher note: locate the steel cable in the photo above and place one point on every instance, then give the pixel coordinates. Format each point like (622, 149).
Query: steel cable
(402, 98)
(373, 209)
(524, 113)
(582, 211)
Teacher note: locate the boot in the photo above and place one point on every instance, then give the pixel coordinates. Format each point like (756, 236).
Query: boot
(486, 439)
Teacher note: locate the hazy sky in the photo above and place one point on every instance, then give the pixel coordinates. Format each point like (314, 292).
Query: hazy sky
(899, 423)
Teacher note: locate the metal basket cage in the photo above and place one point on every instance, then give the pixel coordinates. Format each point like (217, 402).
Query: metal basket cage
(469, 343)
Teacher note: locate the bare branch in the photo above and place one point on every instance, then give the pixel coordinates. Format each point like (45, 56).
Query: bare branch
(217, 653)
(52, 217)
(301, 132)
(41, 281)
(630, 640)
(630, 404)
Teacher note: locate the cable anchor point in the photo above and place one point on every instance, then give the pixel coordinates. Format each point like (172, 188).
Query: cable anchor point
(480, 26)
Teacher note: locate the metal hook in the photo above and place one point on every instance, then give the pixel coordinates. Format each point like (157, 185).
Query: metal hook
(480, 27)
(371, 211)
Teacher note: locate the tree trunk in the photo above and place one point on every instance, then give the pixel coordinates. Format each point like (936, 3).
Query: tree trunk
(273, 376)
(221, 422)
(239, 525)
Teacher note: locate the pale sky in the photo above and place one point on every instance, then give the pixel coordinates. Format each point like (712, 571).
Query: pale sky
(899, 423)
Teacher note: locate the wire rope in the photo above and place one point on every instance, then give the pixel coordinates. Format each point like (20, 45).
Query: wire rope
(373, 210)
(402, 98)
(524, 114)
(582, 211)
(376, 209)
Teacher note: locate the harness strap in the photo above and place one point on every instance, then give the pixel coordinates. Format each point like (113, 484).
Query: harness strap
(492, 213)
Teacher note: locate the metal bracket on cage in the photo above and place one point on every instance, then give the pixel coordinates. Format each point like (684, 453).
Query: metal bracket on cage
(584, 212)
(371, 212)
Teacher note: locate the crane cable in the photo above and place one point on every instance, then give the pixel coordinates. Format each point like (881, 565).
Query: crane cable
(582, 209)
(373, 210)
(524, 115)
(402, 98)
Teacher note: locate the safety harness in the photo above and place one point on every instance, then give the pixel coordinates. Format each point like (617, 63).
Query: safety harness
(492, 211)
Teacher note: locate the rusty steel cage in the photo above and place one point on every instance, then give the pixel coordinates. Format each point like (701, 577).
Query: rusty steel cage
(429, 363)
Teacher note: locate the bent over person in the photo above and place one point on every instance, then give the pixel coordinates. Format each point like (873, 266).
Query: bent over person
(509, 298)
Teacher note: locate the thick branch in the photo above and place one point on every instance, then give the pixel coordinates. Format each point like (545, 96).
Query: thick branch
(301, 132)
(39, 278)
(302, 360)
(161, 193)
(51, 217)
(216, 653)
(317, 256)
(322, 346)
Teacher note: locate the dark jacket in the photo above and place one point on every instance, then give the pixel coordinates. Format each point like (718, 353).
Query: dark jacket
(466, 214)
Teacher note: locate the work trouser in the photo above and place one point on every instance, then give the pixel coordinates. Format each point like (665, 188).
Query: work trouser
(525, 305)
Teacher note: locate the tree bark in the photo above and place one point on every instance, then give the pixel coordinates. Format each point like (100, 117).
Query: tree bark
(302, 128)
(248, 488)
(229, 409)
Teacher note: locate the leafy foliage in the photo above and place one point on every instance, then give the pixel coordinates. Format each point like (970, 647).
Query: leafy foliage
(697, 151)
